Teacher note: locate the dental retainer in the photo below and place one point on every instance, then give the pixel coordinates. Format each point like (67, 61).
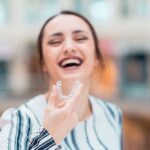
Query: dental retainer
(72, 91)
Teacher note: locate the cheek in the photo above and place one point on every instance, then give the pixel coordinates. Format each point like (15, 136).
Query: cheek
(91, 54)
(91, 48)
(92, 61)
(49, 54)
(49, 59)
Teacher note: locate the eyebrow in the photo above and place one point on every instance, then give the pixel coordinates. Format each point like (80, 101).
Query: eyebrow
(60, 33)
(78, 31)
(56, 34)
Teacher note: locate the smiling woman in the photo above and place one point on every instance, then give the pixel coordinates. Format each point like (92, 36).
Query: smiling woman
(66, 116)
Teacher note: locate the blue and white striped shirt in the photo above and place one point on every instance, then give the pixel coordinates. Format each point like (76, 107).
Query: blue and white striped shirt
(101, 131)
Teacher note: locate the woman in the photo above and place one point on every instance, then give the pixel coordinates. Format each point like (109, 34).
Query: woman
(68, 51)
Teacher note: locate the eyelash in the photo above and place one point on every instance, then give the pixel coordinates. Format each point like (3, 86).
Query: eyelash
(58, 42)
(82, 39)
(54, 42)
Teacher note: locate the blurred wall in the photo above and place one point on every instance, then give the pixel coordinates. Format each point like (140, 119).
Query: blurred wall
(123, 27)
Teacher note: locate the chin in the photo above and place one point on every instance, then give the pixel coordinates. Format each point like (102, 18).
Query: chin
(72, 78)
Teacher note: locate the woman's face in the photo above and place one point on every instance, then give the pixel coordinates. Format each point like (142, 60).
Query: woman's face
(68, 49)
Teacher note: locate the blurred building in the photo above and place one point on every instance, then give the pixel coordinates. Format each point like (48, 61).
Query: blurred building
(123, 28)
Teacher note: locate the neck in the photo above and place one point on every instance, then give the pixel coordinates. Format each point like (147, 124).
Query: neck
(84, 109)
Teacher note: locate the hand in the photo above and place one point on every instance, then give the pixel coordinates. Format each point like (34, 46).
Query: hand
(61, 118)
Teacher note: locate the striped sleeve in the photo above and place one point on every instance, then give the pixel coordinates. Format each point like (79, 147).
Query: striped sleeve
(16, 134)
(42, 140)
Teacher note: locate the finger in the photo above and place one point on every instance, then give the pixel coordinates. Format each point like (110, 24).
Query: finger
(53, 96)
(61, 104)
(47, 94)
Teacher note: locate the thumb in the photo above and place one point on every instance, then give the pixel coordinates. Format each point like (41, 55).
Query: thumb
(52, 96)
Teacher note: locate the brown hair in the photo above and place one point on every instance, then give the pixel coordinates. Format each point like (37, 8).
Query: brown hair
(95, 38)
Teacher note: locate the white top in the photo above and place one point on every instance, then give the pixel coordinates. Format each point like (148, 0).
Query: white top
(101, 131)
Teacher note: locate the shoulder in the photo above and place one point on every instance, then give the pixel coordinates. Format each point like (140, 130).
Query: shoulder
(110, 110)
(106, 105)
(26, 110)
(23, 117)
(21, 124)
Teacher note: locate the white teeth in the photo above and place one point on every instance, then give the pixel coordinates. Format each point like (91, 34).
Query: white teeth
(72, 92)
(68, 61)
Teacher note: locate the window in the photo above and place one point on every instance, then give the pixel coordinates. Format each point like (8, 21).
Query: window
(4, 11)
(3, 77)
(102, 10)
(135, 75)
(136, 8)
(36, 11)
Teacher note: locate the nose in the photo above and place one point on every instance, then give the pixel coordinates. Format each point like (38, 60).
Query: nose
(69, 46)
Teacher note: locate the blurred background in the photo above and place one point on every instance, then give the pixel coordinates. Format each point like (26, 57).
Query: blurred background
(123, 27)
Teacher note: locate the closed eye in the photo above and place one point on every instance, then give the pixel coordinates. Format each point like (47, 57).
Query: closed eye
(54, 43)
(81, 39)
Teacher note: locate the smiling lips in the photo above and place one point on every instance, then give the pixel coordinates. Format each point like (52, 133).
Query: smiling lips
(70, 62)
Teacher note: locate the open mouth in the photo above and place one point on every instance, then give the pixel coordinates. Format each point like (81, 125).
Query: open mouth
(73, 62)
